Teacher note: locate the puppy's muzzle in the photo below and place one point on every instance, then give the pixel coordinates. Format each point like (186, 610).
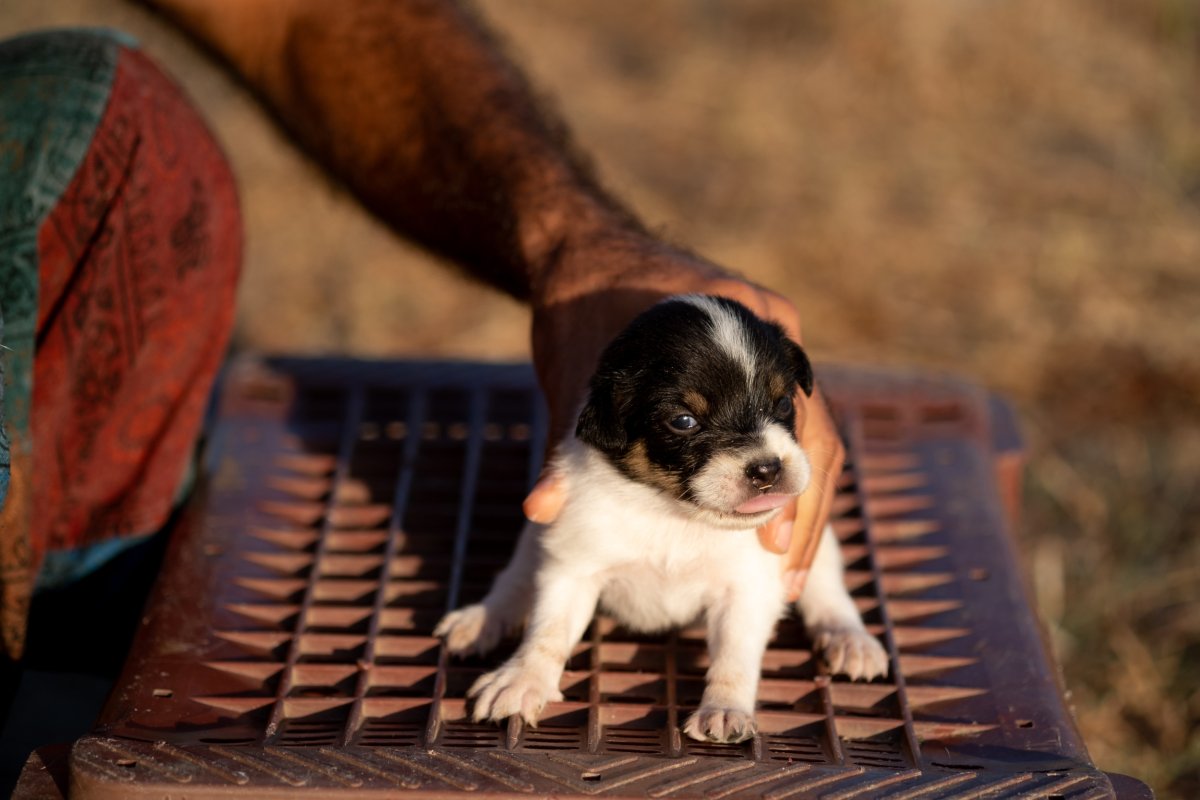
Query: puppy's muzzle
(763, 474)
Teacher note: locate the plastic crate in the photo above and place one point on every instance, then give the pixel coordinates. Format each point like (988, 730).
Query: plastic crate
(287, 650)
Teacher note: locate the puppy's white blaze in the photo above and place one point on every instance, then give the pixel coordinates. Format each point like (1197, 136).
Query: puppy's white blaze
(727, 332)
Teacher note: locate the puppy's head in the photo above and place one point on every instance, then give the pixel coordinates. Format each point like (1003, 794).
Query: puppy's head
(694, 398)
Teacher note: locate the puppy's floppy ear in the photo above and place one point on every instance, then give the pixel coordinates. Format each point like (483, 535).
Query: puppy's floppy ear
(600, 423)
(801, 366)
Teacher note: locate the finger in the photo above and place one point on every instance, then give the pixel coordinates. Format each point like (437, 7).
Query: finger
(545, 500)
(786, 314)
(776, 535)
(804, 535)
(798, 568)
(817, 501)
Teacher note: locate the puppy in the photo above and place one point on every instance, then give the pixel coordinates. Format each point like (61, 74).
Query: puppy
(685, 446)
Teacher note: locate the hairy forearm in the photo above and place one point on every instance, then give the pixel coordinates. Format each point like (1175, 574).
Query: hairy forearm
(413, 106)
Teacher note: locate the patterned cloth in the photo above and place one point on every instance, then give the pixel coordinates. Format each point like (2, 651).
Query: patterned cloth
(120, 246)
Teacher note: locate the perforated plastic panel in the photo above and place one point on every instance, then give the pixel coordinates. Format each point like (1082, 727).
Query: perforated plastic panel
(288, 647)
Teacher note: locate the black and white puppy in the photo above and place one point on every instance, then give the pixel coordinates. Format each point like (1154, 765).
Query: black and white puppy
(685, 446)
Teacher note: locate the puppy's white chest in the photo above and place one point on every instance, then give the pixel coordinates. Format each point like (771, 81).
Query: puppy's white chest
(656, 569)
(648, 596)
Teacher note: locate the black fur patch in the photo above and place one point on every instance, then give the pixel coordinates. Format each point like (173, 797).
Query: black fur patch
(667, 357)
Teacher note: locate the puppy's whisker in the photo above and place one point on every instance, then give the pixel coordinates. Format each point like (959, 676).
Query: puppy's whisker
(820, 487)
(820, 451)
(821, 471)
(824, 470)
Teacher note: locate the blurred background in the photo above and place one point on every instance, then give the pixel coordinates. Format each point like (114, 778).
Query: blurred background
(1007, 191)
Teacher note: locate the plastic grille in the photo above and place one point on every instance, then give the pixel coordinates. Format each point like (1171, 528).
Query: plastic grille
(352, 504)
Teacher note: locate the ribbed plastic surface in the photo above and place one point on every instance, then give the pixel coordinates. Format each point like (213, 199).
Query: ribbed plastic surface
(288, 649)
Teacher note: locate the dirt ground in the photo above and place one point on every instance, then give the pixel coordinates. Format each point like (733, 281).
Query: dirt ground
(1009, 191)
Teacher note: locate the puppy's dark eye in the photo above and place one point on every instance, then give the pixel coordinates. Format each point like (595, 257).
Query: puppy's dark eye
(783, 406)
(684, 423)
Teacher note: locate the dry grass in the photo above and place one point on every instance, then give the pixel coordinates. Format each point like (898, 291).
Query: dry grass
(1006, 190)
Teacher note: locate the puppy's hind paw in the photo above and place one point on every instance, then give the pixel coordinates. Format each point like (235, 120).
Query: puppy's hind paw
(713, 724)
(852, 652)
(470, 630)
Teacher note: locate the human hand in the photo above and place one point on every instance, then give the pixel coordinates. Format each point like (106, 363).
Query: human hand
(596, 291)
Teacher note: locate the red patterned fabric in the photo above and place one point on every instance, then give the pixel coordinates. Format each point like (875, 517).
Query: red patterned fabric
(138, 265)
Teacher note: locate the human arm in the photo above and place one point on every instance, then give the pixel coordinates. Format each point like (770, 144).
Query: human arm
(415, 108)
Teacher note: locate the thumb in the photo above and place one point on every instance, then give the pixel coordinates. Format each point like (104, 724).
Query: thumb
(776, 535)
(545, 500)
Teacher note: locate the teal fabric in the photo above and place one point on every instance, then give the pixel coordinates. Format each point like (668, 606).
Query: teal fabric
(63, 567)
(54, 88)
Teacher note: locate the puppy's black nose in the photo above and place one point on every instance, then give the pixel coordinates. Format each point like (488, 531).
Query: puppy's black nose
(763, 473)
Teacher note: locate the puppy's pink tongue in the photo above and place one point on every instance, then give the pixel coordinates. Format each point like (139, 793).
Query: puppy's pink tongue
(764, 502)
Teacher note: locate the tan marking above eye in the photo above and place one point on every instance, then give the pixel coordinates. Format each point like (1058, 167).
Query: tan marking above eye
(696, 402)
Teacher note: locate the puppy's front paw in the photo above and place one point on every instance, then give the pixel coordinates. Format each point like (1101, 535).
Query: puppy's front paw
(715, 724)
(470, 630)
(512, 689)
(852, 652)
